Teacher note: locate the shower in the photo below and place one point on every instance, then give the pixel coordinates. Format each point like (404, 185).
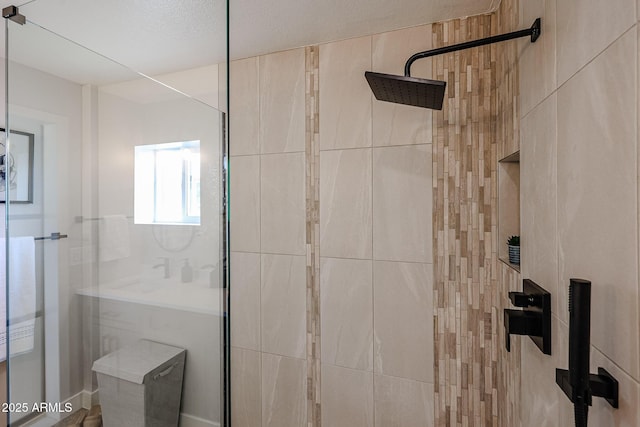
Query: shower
(427, 93)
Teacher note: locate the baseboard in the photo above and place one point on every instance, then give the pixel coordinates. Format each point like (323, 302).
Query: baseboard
(191, 421)
(89, 398)
(93, 398)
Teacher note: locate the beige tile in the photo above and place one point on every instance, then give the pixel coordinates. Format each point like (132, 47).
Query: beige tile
(245, 204)
(245, 391)
(347, 397)
(537, 61)
(585, 28)
(402, 403)
(284, 391)
(402, 229)
(539, 250)
(345, 203)
(395, 124)
(597, 196)
(244, 117)
(245, 304)
(345, 101)
(222, 89)
(284, 308)
(403, 319)
(538, 381)
(282, 219)
(282, 101)
(508, 204)
(346, 288)
(544, 396)
(603, 414)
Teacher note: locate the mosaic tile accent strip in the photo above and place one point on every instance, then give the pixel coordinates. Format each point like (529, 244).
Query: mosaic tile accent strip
(465, 223)
(312, 182)
(477, 383)
(507, 368)
(505, 20)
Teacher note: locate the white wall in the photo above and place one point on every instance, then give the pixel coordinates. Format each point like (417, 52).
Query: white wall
(85, 150)
(50, 108)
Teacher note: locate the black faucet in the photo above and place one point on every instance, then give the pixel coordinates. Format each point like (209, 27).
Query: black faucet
(576, 382)
(535, 318)
(166, 265)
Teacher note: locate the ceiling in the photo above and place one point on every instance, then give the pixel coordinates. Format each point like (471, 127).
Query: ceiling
(162, 36)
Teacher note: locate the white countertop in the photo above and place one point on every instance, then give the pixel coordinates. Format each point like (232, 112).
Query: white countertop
(166, 293)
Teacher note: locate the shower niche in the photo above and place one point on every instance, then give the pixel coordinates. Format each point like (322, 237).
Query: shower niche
(508, 204)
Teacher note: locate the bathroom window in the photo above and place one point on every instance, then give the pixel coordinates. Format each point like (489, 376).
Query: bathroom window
(167, 183)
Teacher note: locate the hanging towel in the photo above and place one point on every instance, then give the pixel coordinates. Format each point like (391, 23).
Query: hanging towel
(22, 295)
(114, 238)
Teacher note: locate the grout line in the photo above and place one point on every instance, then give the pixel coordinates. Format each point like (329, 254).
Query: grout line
(373, 304)
(624, 33)
(637, 207)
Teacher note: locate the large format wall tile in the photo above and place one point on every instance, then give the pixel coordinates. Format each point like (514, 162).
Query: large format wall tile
(544, 396)
(403, 319)
(395, 124)
(537, 61)
(284, 391)
(402, 229)
(282, 101)
(402, 403)
(628, 413)
(545, 404)
(245, 393)
(345, 203)
(346, 288)
(585, 28)
(245, 203)
(245, 304)
(283, 310)
(345, 104)
(597, 196)
(245, 104)
(282, 223)
(347, 397)
(538, 225)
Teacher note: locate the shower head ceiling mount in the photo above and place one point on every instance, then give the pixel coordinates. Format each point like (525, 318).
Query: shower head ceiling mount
(430, 93)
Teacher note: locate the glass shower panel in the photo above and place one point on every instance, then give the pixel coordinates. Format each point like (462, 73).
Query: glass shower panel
(89, 281)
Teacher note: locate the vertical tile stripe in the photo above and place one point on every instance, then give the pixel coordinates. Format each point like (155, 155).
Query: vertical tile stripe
(464, 223)
(312, 182)
(476, 381)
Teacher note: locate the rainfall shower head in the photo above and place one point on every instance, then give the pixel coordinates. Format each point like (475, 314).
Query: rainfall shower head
(407, 90)
(430, 93)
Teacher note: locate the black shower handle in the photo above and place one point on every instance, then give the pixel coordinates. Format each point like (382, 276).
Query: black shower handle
(577, 383)
(579, 339)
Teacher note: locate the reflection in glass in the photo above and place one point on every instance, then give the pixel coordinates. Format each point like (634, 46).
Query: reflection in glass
(167, 183)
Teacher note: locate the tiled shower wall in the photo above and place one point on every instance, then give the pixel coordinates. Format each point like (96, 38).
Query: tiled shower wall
(476, 381)
(579, 195)
(331, 204)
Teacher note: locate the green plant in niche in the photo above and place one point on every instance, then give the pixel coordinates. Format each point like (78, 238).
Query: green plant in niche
(514, 249)
(513, 241)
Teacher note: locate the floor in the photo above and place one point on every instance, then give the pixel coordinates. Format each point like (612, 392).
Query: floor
(80, 418)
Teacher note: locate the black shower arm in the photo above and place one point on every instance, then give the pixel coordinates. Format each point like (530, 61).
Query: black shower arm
(534, 32)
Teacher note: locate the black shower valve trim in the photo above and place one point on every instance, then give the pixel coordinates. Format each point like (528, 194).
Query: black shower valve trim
(533, 320)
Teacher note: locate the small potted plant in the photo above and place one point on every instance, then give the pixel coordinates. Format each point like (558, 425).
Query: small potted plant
(514, 249)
